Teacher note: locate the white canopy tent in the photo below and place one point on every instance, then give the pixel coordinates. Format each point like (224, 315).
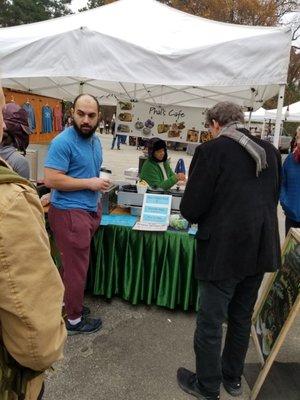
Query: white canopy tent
(256, 116)
(144, 50)
(290, 113)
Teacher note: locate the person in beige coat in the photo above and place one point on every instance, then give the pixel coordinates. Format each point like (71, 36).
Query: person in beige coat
(32, 331)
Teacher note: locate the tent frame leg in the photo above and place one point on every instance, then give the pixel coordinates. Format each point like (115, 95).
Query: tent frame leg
(278, 115)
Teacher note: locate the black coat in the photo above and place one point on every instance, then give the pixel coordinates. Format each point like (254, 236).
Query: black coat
(236, 212)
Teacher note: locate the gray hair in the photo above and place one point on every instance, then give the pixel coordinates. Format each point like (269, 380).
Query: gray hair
(224, 113)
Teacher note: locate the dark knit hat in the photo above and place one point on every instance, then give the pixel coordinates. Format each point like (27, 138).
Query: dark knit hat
(155, 144)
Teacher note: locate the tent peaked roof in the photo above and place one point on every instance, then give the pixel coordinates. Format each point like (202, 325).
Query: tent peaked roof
(148, 24)
(147, 43)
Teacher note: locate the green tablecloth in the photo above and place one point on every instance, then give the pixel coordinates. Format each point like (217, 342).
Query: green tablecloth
(148, 267)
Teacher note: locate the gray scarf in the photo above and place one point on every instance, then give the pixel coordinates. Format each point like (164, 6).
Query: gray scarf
(256, 151)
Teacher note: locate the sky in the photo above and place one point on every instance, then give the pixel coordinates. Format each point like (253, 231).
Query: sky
(295, 17)
(78, 4)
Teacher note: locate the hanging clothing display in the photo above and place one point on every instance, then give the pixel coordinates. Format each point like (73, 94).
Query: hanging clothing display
(47, 119)
(31, 116)
(43, 115)
(57, 118)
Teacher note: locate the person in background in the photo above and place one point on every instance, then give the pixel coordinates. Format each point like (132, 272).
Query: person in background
(290, 188)
(156, 170)
(106, 127)
(72, 170)
(139, 143)
(175, 145)
(101, 126)
(69, 122)
(232, 194)
(116, 137)
(15, 139)
(293, 141)
(145, 144)
(32, 331)
(124, 139)
(112, 126)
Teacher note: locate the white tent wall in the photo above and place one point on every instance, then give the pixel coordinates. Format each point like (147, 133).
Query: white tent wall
(143, 49)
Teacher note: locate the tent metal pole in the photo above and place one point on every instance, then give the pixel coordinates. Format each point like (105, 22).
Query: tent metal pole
(278, 115)
(61, 88)
(148, 86)
(152, 98)
(81, 87)
(250, 117)
(253, 95)
(263, 135)
(103, 89)
(27, 89)
(125, 90)
(60, 85)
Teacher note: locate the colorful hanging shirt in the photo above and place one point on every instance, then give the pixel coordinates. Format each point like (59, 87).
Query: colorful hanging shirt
(57, 118)
(31, 116)
(47, 119)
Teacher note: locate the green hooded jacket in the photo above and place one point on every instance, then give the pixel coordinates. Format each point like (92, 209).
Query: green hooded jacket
(153, 175)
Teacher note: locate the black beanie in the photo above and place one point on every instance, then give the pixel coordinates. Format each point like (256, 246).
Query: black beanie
(155, 144)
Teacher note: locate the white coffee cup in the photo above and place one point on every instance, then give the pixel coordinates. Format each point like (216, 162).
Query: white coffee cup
(141, 189)
(105, 174)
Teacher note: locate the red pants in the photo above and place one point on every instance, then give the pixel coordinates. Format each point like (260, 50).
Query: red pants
(73, 231)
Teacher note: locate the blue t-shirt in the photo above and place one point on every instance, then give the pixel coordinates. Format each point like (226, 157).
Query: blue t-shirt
(47, 119)
(79, 158)
(31, 116)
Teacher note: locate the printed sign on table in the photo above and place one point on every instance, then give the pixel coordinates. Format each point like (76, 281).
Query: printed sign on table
(155, 213)
(170, 123)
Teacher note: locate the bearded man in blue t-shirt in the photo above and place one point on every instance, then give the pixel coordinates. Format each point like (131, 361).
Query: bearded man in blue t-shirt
(72, 172)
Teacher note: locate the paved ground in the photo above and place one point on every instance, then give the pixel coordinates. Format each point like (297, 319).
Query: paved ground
(136, 354)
